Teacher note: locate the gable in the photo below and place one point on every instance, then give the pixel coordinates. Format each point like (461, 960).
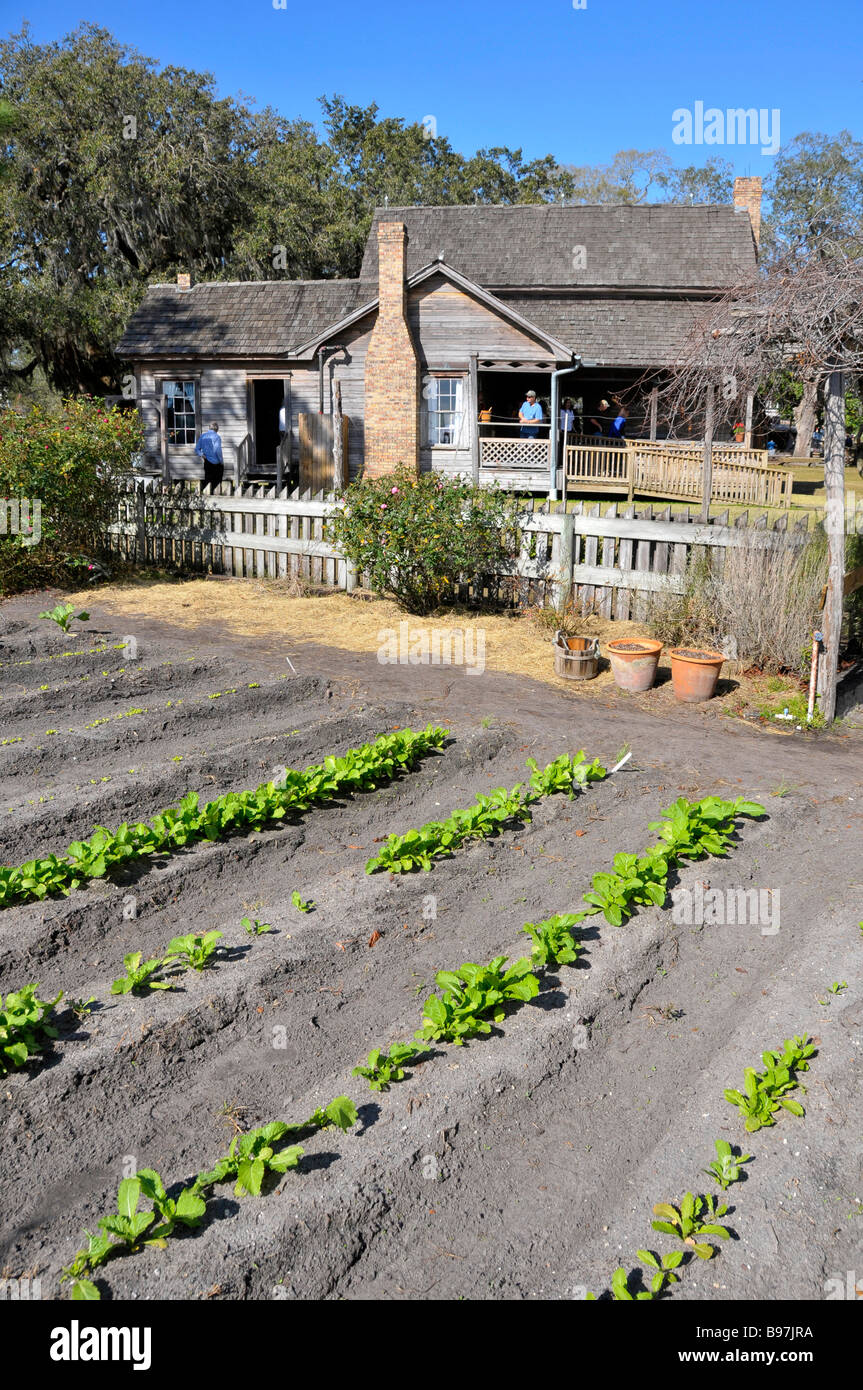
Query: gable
(448, 324)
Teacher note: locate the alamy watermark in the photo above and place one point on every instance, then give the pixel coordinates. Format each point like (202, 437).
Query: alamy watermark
(437, 646)
(735, 126)
(17, 518)
(726, 907)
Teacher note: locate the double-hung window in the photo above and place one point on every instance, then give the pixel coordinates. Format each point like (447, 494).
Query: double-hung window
(180, 411)
(445, 396)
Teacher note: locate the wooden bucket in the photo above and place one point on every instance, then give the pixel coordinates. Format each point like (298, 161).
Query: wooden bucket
(576, 658)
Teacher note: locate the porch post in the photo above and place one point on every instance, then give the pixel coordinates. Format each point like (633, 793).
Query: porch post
(747, 437)
(473, 408)
(654, 406)
(707, 469)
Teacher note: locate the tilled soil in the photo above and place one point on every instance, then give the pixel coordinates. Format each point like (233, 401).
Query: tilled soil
(523, 1165)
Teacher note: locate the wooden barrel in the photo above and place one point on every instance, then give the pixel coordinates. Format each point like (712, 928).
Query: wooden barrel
(576, 658)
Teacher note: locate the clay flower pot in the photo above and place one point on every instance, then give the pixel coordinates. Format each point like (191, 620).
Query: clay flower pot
(694, 673)
(633, 662)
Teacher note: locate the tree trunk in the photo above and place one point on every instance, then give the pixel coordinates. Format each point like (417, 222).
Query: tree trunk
(805, 416)
(834, 483)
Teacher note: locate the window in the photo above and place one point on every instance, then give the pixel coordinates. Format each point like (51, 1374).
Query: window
(180, 413)
(445, 396)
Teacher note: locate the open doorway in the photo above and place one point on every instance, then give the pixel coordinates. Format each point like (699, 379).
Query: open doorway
(267, 398)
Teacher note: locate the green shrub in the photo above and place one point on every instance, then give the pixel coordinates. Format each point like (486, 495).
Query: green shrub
(417, 538)
(69, 462)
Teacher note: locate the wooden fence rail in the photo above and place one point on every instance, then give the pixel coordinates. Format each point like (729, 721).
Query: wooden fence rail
(611, 563)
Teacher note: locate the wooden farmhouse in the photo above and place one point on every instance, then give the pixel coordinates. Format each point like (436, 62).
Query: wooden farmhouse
(456, 314)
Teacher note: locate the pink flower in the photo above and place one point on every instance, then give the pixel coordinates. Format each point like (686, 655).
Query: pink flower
(394, 490)
(66, 427)
(383, 504)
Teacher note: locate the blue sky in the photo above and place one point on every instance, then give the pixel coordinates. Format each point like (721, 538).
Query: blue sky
(578, 83)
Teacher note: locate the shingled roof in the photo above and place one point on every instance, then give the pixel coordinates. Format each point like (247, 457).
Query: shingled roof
(647, 246)
(628, 306)
(623, 331)
(249, 318)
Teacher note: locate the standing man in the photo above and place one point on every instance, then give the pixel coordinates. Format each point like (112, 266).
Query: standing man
(209, 448)
(531, 410)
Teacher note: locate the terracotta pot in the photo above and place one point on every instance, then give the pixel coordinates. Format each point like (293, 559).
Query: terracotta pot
(694, 673)
(633, 662)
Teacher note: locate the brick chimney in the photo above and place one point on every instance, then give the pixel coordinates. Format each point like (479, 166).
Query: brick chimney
(747, 194)
(392, 371)
(184, 280)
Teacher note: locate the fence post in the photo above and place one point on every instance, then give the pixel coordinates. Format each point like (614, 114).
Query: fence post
(141, 524)
(566, 543)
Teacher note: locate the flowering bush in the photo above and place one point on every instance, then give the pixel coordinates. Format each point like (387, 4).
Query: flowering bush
(418, 537)
(69, 463)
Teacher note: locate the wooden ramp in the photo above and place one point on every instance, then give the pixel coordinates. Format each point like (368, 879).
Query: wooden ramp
(674, 470)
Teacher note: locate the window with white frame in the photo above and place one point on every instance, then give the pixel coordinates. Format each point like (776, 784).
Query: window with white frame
(445, 396)
(180, 413)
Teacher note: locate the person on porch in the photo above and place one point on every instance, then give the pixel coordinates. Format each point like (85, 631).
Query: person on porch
(530, 410)
(209, 448)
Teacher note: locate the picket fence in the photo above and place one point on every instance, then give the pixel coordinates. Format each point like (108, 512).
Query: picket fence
(612, 562)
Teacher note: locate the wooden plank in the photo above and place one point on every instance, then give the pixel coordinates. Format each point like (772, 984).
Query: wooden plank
(853, 581)
(638, 581)
(622, 600)
(606, 595)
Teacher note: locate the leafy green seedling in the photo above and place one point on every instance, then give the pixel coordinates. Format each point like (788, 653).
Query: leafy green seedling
(471, 993)
(299, 904)
(255, 928)
(837, 988)
(620, 1289)
(726, 1167)
(139, 976)
(664, 1268)
(688, 1225)
(553, 940)
(764, 1092)
(129, 1225)
(63, 614)
(251, 1156)
(186, 1210)
(81, 1007)
(192, 952)
(24, 1029)
(385, 1067)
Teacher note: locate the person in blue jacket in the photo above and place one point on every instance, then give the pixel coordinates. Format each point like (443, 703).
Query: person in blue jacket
(209, 448)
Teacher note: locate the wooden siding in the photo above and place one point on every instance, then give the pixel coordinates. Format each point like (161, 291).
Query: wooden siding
(447, 324)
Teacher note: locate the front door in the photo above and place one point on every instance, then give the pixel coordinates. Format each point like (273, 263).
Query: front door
(267, 399)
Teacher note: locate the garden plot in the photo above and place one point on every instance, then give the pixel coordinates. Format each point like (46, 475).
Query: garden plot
(523, 1164)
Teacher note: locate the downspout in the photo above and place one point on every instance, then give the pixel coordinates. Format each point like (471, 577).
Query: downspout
(554, 424)
(320, 355)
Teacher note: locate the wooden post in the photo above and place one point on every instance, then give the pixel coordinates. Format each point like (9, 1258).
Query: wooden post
(338, 459)
(566, 553)
(747, 436)
(140, 523)
(654, 410)
(707, 469)
(834, 524)
(473, 414)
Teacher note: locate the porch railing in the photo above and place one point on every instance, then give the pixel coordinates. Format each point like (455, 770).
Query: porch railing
(670, 469)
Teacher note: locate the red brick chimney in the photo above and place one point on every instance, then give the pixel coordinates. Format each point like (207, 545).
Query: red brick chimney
(747, 194)
(392, 371)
